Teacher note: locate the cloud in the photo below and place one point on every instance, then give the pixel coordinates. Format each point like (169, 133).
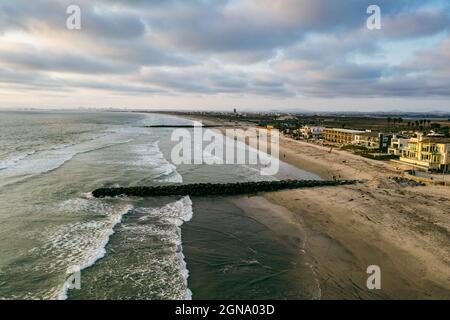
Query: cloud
(279, 49)
(422, 23)
(42, 60)
(215, 80)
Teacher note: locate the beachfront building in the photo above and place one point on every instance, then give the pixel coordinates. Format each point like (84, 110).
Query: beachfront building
(435, 134)
(374, 140)
(309, 132)
(385, 141)
(340, 136)
(369, 139)
(431, 154)
(397, 146)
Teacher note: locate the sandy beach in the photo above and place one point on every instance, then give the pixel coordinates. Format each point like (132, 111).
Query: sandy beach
(403, 229)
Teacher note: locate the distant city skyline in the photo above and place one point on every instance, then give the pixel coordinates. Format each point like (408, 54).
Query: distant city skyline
(253, 55)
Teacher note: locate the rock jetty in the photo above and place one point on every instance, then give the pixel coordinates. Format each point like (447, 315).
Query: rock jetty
(213, 189)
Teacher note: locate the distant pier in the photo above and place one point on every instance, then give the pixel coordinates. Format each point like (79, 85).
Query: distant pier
(221, 189)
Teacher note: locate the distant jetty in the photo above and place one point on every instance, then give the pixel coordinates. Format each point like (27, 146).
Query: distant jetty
(212, 189)
(185, 126)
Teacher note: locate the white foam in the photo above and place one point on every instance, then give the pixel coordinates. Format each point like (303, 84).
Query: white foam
(176, 213)
(89, 195)
(63, 146)
(179, 211)
(150, 155)
(12, 162)
(186, 214)
(98, 253)
(45, 161)
(82, 244)
(77, 238)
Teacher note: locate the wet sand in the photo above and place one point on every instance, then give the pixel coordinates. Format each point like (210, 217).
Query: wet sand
(246, 248)
(402, 229)
(405, 230)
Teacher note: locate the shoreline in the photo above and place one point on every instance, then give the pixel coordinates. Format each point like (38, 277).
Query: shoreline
(240, 248)
(403, 229)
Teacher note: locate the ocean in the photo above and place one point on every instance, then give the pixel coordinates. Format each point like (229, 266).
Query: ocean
(133, 248)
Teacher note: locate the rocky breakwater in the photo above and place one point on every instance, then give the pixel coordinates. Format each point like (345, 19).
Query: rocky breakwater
(219, 189)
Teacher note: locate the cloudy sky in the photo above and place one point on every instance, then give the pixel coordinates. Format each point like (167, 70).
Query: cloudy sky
(221, 54)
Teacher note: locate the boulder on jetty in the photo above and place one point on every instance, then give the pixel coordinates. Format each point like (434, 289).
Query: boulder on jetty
(213, 189)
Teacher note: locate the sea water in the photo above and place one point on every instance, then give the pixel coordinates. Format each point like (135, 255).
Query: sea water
(125, 248)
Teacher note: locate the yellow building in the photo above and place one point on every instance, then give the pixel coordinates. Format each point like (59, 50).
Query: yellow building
(340, 136)
(428, 153)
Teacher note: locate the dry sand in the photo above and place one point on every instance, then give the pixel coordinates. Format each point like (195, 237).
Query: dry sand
(404, 230)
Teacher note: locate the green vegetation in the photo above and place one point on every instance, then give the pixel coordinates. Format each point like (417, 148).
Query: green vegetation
(287, 123)
(368, 153)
